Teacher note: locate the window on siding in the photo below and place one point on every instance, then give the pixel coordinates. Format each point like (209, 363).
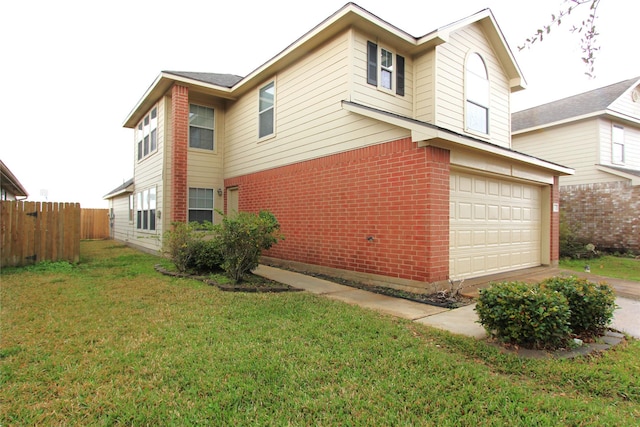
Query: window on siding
(201, 127)
(147, 134)
(477, 94)
(266, 106)
(146, 209)
(200, 204)
(385, 69)
(617, 144)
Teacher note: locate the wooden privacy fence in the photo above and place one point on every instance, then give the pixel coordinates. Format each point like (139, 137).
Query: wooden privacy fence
(94, 224)
(31, 232)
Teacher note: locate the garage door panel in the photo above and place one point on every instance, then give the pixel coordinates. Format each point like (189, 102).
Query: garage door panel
(495, 225)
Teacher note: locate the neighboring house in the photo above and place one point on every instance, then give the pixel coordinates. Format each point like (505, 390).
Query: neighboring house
(598, 134)
(383, 155)
(10, 187)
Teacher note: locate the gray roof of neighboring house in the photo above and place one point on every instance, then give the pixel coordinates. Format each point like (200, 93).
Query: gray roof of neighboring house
(224, 80)
(573, 106)
(119, 189)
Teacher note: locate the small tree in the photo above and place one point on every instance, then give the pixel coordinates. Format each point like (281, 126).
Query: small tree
(243, 237)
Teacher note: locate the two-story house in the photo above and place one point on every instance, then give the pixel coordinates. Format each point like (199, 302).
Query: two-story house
(598, 134)
(383, 155)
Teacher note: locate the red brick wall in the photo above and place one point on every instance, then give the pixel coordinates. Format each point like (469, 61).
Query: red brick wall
(180, 138)
(382, 209)
(607, 214)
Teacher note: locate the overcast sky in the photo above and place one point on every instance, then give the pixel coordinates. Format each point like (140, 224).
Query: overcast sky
(73, 70)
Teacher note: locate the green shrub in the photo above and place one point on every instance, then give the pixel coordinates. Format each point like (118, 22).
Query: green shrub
(205, 255)
(243, 238)
(193, 247)
(591, 304)
(525, 314)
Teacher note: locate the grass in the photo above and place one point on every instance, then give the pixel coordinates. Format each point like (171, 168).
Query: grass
(111, 342)
(608, 266)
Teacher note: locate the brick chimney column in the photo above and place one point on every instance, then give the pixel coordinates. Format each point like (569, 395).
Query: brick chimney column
(180, 138)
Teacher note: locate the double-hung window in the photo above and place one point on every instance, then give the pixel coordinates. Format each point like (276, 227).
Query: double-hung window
(385, 69)
(200, 204)
(477, 94)
(147, 134)
(266, 107)
(617, 144)
(146, 209)
(201, 127)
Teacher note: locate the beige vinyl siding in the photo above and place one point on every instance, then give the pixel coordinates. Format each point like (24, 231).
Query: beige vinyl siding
(205, 168)
(366, 94)
(122, 228)
(424, 86)
(148, 174)
(574, 145)
(450, 95)
(626, 106)
(631, 144)
(309, 119)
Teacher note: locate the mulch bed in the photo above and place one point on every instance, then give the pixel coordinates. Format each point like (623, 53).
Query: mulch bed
(254, 284)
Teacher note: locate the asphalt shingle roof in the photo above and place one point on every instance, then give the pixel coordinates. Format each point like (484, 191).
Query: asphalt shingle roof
(573, 106)
(224, 80)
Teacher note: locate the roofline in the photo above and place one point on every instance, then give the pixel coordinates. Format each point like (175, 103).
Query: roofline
(349, 16)
(126, 187)
(7, 175)
(423, 133)
(160, 86)
(594, 114)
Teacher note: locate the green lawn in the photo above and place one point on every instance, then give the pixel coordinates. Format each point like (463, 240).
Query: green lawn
(111, 342)
(608, 266)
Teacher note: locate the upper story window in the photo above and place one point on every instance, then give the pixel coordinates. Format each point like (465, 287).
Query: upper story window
(147, 134)
(385, 69)
(201, 127)
(266, 107)
(617, 144)
(477, 94)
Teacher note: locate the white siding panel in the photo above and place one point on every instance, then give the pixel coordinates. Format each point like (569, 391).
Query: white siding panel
(122, 228)
(574, 145)
(310, 121)
(625, 105)
(450, 96)
(424, 86)
(367, 94)
(631, 143)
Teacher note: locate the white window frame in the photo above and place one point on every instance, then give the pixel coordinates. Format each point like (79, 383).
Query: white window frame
(146, 208)
(389, 69)
(265, 109)
(146, 135)
(202, 126)
(617, 144)
(477, 95)
(191, 200)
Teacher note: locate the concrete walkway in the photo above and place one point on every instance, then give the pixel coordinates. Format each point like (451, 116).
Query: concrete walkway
(462, 320)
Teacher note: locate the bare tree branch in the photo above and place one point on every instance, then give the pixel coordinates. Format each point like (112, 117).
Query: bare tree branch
(586, 28)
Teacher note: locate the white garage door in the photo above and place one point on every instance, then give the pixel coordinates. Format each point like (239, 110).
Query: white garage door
(494, 225)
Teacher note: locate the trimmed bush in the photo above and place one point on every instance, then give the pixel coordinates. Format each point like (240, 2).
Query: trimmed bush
(193, 247)
(591, 304)
(243, 237)
(524, 314)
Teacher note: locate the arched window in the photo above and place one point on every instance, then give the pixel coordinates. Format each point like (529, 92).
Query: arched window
(477, 94)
